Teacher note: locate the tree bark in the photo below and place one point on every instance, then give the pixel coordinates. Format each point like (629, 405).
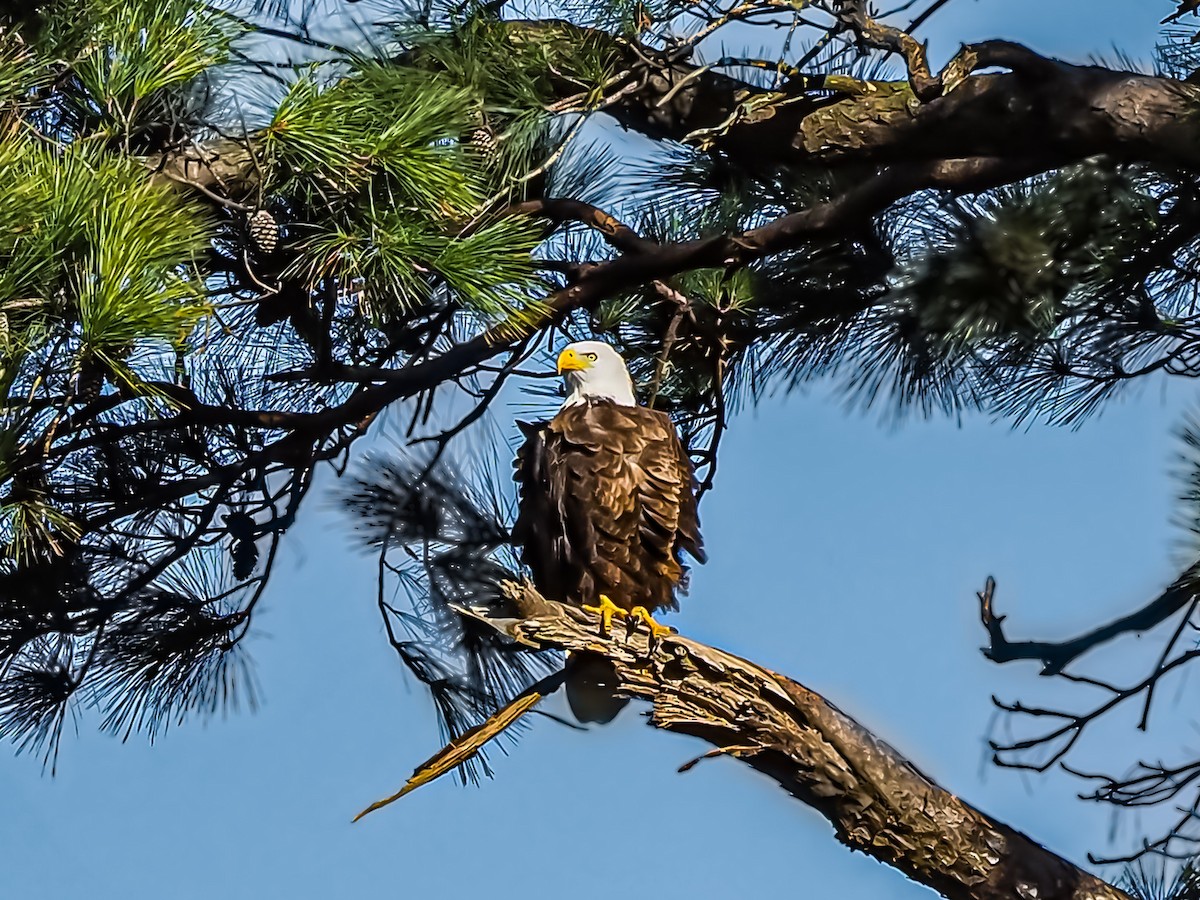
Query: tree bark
(1041, 114)
(223, 168)
(876, 800)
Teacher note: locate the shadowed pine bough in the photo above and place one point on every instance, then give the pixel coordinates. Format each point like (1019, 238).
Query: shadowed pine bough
(229, 241)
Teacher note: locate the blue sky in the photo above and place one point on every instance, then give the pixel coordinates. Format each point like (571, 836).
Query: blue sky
(844, 552)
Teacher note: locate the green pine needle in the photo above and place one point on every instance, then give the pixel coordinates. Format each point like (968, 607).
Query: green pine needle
(403, 260)
(86, 237)
(329, 142)
(140, 48)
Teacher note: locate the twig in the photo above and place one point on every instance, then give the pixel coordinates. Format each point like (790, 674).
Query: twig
(471, 742)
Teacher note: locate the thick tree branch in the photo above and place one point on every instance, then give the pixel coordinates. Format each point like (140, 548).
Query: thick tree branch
(876, 800)
(224, 167)
(1054, 111)
(1066, 112)
(1080, 111)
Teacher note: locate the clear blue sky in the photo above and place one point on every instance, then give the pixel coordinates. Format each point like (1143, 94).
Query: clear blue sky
(843, 552)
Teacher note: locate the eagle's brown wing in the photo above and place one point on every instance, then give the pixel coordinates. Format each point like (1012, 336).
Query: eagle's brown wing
(607, 506)
(540, 527)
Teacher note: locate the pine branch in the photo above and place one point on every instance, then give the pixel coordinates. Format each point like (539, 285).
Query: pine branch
(1092, 110)
(876, 800)
(559, 210)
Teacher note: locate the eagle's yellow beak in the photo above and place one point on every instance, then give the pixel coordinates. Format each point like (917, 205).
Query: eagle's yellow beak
(570, 361)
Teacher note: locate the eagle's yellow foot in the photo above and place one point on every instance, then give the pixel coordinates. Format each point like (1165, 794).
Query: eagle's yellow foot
(606, 610)
(656, 630)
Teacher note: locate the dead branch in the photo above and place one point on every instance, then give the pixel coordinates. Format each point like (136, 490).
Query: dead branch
(1051, 734)
(1056, 655)
(876, 800)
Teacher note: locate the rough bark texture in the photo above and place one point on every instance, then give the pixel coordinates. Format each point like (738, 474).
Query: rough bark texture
(1041, 114)
(1058, 111)
(876, 800)
(225, 167)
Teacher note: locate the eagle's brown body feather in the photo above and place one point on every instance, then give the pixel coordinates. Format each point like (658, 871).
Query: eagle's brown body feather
(607, 506)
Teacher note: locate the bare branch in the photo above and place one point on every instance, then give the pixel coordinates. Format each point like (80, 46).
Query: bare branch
(874, 33)
(1055, 656)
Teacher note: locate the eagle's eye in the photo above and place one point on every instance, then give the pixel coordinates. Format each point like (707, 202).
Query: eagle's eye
(591, 356)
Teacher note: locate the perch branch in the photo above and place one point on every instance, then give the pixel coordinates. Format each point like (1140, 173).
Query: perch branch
(876, 800)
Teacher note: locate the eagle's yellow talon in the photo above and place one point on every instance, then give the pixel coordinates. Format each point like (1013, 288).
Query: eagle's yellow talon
(656, 630)
(606, 610)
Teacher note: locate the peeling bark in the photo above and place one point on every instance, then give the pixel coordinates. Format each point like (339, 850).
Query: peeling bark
(874, 798)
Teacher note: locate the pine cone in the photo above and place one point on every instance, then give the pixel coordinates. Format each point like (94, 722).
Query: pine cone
(245, 558)
(483, 140)
(90, 380)
(264, 231)
(243, 550)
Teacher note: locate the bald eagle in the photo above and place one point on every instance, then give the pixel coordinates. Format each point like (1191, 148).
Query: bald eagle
(607, 509)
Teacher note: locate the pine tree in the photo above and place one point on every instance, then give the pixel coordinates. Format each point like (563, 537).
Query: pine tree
(216, 271)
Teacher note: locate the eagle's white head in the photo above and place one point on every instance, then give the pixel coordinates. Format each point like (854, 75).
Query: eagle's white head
(595, 371)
